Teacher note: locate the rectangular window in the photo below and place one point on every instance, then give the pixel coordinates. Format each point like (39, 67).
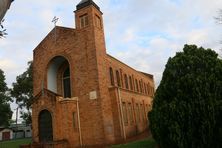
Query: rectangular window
(140, 83)
(145, 88)
(111, 76)
(147, 110)
(137, 113)
(118, 78)
(125, 118)
(121, 77)
(98, 21)
(142, 113)
(84, 21)
(137, 87)
(142, 89)
(74, 120)
(134, 88)
(130, 109)
(131, 83)
(126, 81)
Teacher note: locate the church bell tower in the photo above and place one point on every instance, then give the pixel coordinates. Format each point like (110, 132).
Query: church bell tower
(88, 15)
(90, 30)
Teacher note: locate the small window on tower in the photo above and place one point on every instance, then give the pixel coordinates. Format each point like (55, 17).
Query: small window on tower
(84, 21)
(98, 21)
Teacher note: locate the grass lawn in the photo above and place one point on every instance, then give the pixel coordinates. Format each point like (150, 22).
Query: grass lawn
(15, 143)
(146, 143)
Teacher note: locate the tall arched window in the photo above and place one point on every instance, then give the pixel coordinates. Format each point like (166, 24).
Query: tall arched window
(142, 89)
(111, 75)
(126, 81)
(149, 92)
(134, 87)
(118, 78)
(145, 88)
(121, 77)
(153, 91)
(140, 86)
(66, 83)
(137, 86)
(131, 83)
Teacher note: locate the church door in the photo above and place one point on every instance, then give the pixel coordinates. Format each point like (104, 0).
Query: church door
(45, 126)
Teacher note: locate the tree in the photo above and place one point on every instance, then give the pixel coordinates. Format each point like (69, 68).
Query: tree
(22, 91)
(187, 109)
(5, 110)
(4, 7)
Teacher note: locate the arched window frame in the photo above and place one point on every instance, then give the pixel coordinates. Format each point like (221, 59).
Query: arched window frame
(126, 81)
(137, 86)
(131, 83)
(148, 89)
(66, 87)
(145, 88)
(142, 89)
(134, 87)
(140, 86)
(118, 78)
(121, 77)
(111, 76)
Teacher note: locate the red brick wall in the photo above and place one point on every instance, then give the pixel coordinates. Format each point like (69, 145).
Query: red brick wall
(129, 95)
(84, 49)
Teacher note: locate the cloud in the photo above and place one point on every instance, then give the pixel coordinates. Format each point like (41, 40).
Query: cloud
(143, 34)
(7, 64)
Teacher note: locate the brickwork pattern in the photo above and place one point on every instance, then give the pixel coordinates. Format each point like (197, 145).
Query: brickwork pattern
(85, 52)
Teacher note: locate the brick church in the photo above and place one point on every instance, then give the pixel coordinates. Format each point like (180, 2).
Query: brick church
(84, 96)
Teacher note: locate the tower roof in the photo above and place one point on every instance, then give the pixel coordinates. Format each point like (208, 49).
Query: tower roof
(85, 3)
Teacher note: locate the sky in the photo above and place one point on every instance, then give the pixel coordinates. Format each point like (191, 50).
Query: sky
(140, 33)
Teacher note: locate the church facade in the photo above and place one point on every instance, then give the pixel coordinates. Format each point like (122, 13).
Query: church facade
(83, 96)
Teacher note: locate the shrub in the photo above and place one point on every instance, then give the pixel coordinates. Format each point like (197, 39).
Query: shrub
(187, 108)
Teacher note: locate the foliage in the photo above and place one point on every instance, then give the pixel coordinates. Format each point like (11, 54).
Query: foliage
(27, 117)
(5, 110)
(147, 143)
(187, 109)
(2, 30)
(22, 91)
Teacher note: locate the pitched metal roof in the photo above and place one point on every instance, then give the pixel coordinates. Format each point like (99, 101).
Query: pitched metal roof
(82, 1)
(85, 3)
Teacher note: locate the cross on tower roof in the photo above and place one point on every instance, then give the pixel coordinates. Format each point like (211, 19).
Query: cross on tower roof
(55, 20)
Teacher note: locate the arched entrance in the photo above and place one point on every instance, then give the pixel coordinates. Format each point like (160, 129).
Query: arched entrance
(45, 126)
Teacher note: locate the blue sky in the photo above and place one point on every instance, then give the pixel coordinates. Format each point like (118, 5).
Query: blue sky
(141, 33)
